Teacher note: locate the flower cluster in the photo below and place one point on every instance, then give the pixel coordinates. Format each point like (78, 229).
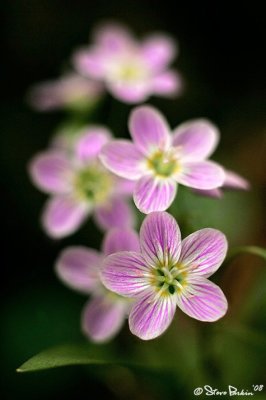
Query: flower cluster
(140, 277)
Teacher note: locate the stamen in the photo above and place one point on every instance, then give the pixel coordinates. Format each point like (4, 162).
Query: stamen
(163, 164)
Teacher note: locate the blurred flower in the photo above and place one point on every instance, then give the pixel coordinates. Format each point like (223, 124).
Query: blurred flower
(79, 268)
(80, 185)
(232, 181)
(131, 71)
(158, 161)
(168, 273)
(69, 91)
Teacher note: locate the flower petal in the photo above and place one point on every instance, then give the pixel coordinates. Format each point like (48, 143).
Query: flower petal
(160, 239)
(149, 129)
(102, 318)
(120, 240)
(158, 51)
(235, 181)
(201, 175)
(63, 92)
(63, 216)
(113, 37)
(78, 267)
(204, 251)
(150, 317)
(206, 302)
(197, 139)
(216, 193)
(91, 142)
(90, 63)
(124, 187)
(51, 172)
(152, 194)
(125, 273)
(117, 213)
(168, 83)
(123, 159)
(130, 92)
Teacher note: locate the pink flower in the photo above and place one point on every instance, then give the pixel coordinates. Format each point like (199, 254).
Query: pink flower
(167, 273)
(80, 186)
(131, 71)
(69, 91)
(158, 161)
(232, 181)
(79, 268)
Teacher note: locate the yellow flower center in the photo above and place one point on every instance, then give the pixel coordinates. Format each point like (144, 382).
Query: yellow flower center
(169, 279)
(163, 164)
(128, 69)
(93, 184)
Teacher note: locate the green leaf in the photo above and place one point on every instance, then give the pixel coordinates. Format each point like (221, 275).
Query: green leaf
(255, 250)
(75, 354)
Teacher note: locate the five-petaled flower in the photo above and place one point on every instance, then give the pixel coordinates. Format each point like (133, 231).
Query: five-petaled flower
(80, 185)
(167, 273)
(158, 161)
(70, 91)
(131, 71)
(79, 268)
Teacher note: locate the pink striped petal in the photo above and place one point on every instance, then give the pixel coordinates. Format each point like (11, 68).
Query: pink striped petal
(158, 51)
(133, 92)
(203, 175)
(91, 142)
(160, 239)
(235, 181)
(125, 273)
(151, 316)
(102, 318)
(51, 172)
(123, 158)
(152, 194)
(204, 251)
(78, 267)
(197, 139)
(117, 213)
(149, 129)
(168, 83)
(90, 63)
(120, 240)
(63, 216)
(204, 301)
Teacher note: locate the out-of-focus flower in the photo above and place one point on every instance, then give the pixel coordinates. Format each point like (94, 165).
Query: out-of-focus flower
(79, 268)
(158, 161)
(131, 71)
(232, 181)
(168, 273)
(80, 185)
(70, 91)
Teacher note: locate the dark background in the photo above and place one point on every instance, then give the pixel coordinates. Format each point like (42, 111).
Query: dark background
(223, 62)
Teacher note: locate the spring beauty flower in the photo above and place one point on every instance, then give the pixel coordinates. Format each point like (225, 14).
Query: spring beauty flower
(158, 161)
(131, 71)
(79, 268)
(79, 185)
(233, 181)
(167, 273)
(69, 91)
